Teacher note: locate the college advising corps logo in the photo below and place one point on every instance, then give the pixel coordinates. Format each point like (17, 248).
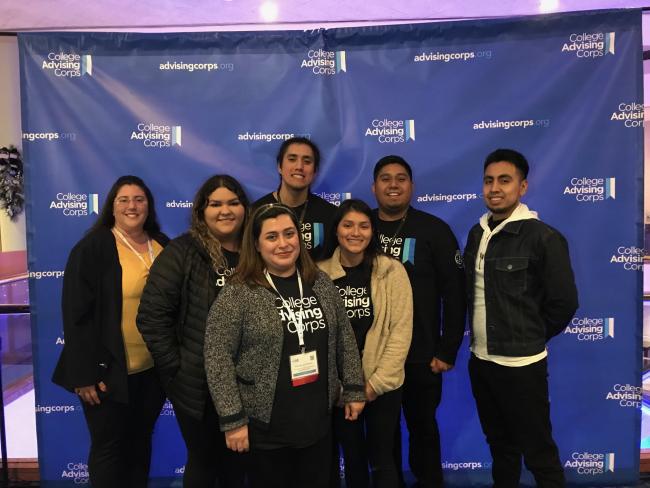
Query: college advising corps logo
(591, 463)
(76, 204)
(630, 258)
(628, 114)
(324, 63)
(591, 190)
(76, 472)
(591, 329)
(313, 234)
(154, 136)
(335, 198)
(389, 131)
(626, 395)
(590, 45)
(69, 65)
(402, 248)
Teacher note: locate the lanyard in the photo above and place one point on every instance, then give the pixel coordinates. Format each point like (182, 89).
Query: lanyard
(304, 209)
(149, 247)
(399, 227)
(297, 319)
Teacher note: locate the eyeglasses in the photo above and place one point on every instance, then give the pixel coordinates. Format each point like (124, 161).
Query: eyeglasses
(139, 200)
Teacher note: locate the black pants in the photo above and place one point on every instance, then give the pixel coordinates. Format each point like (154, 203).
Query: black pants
(370, 439)
(514, 411)
(120, 434)
(422, 392)
(306, 467)
(208, 458)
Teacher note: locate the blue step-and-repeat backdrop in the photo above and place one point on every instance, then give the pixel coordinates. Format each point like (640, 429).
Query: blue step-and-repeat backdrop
(564, 89)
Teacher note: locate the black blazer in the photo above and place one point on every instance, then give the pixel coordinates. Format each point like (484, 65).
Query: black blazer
(92, 316)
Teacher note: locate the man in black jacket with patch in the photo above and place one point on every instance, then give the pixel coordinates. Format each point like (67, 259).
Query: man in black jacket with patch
(521, 293)
(427, 248)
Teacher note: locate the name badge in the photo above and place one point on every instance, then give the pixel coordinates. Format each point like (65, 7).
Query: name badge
(304, 368)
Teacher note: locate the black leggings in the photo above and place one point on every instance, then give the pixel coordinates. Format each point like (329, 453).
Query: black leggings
(370, 440)
(208, 458)
(287, 467)
(120, 434)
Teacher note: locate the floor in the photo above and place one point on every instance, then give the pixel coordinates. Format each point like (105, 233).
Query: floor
(21, 441)
(643, 483)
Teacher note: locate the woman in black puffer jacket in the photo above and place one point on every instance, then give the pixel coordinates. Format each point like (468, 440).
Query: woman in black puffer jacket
(184, 281)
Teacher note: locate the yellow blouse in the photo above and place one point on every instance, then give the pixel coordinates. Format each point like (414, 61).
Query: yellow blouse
(134, 277)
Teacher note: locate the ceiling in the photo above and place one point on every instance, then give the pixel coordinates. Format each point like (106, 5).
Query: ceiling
(190, 15)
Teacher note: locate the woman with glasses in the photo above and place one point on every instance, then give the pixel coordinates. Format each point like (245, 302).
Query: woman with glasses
(185, 280)
(104, 359)
(279, 352)
(377, 295)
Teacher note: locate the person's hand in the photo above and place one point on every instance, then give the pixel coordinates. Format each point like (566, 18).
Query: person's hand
(439, 366)
(371, 394)
(89, 394)
(353, 409)
(237, 439)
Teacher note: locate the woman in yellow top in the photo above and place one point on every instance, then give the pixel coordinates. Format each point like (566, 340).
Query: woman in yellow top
(104, 359)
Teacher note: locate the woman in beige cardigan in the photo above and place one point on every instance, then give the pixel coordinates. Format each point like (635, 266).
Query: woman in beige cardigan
(377, 295)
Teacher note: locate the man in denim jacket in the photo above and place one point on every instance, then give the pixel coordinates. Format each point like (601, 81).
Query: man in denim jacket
(521, 293)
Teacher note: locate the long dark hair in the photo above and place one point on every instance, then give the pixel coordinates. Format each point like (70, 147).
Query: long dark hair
(354, 205)
(250, 269)
(106, 217)
(199, 229)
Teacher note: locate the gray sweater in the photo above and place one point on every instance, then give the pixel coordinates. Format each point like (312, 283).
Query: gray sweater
(243, 347)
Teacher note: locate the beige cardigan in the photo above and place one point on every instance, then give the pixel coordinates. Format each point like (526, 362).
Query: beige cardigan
(389, 337)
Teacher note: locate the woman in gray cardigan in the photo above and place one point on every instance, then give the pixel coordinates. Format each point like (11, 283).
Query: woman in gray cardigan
(377, 296)
(279, 352)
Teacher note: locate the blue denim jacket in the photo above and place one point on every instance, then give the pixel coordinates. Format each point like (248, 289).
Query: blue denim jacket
(530, 291)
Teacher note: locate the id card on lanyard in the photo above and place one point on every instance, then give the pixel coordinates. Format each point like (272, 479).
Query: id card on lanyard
(304, 365)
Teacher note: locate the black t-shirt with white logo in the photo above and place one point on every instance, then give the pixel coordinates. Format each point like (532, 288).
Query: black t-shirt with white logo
(428, 249)
(300, 415)
(354, 289)
(316, 216)
(224, 274)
